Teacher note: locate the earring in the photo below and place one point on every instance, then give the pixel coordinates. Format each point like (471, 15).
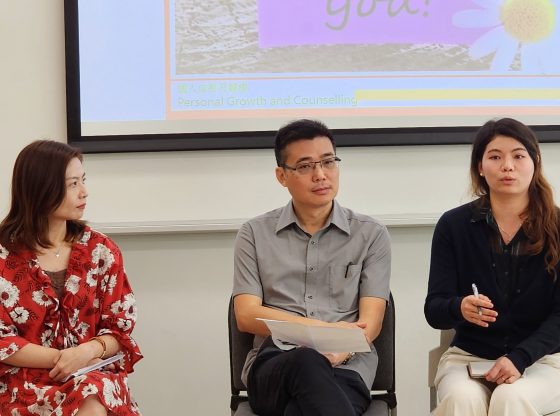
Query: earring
(481, 174)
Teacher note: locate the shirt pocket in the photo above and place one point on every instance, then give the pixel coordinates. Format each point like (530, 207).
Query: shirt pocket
(344, 287)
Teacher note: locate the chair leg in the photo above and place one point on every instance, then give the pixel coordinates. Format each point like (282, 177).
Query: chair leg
(433, 398)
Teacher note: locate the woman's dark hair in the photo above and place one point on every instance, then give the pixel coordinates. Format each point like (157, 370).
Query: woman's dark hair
(38, 189)
(541, 217)
(299, 130)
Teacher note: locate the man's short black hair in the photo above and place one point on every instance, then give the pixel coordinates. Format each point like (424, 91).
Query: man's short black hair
(303, 129)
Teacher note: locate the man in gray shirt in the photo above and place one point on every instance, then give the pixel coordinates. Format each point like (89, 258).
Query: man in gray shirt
(316, 263)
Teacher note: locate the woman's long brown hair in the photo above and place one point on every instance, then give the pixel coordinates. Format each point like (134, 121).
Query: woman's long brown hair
(542, 222)
(38, 189)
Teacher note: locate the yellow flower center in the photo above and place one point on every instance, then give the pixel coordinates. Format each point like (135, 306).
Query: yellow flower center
(528, 20)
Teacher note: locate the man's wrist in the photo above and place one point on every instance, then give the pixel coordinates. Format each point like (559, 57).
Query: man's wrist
(348, 358)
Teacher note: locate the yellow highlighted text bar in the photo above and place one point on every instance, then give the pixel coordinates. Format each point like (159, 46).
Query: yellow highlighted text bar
(459, 94)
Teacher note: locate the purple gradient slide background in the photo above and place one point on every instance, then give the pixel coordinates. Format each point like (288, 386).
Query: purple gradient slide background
(296, 22)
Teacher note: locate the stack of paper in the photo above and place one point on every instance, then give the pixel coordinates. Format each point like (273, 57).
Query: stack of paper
(100, 364)
(287, 335)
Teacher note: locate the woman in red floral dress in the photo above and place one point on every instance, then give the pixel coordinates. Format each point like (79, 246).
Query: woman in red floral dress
(65, 301)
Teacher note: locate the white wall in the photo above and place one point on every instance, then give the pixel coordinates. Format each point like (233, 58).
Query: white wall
(183, 281)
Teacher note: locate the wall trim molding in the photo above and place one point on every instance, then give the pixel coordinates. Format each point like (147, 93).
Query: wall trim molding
(232, 225)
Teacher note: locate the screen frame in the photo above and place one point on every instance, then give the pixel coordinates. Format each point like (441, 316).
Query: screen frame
(238, 140)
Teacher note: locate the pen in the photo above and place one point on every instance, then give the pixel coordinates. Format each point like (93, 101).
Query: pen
(347, 267)
(475, 292)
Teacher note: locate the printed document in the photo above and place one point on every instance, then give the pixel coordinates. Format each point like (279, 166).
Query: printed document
(100, 364)
(288, 335)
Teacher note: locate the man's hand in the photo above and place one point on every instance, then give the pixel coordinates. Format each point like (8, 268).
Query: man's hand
(503, 372)
(336, 358)
(342, 324)
(71, 359)
(478, 311)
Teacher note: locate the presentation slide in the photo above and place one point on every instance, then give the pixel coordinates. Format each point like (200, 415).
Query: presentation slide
(187, 66)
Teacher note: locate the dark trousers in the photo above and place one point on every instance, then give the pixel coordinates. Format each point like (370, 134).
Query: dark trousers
(302, 382)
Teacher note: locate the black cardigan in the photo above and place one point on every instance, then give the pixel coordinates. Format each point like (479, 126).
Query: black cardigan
(527, 327)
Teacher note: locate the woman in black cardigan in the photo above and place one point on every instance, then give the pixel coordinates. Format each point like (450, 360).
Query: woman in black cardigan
(494, 279)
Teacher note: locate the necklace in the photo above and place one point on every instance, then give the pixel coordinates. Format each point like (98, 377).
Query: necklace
(57, 251)
(509, 236)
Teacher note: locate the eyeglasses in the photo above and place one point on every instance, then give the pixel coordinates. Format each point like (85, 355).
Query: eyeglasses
(306, 168)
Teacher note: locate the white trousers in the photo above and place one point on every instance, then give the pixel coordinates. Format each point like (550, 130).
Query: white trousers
(536, 393)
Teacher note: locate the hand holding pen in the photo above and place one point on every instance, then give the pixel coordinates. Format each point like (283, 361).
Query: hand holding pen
(476, 295)
(478, 308)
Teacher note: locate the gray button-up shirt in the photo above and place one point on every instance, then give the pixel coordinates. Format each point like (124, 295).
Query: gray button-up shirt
(322, 276)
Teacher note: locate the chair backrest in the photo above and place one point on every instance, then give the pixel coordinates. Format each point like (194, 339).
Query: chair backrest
(385, 346)
(240, 343)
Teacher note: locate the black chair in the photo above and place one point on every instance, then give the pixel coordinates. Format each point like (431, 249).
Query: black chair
(384, 400)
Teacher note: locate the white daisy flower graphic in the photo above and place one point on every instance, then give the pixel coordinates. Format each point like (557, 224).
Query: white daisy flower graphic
(47, 338)
(13, 399)
(85, 238)
(91, 278)
(19, 315)
(116, 307)
(128, 306)
(3, 252)
(73, 318)
(41, 298)
(124, 324)
(9, 350)
(524, 29)
(102, 257)
(70, 340)
(59, 397)
(82, 329)
(7, 330)
(9, 294)
(109, 283)
(42, 407)
(89, 389)
(111, 393)
(77, 381)
(73, 284)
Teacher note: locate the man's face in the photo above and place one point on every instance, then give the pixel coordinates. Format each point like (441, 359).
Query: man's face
(319, 187)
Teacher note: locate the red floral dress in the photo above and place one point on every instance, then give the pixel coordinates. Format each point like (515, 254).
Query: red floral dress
(97, 300)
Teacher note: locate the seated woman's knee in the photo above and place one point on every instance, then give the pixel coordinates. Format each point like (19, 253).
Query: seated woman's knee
(506, 393)
(92, 407)
(464, 395)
